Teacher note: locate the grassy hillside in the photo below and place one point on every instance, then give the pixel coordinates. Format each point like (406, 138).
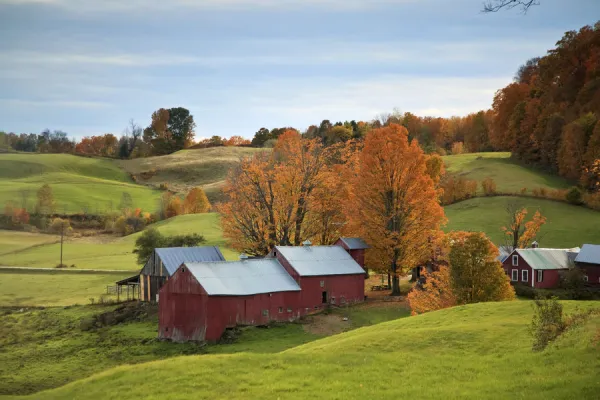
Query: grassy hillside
(12, 241)
(116, 254)
(53, 288)
(188, 168)
(508, 175)
(78, 183)
(567, 225)
(48, 348)
(476, 351)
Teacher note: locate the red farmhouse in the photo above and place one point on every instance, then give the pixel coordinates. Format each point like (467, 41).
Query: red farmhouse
(539, 268)
(201, 300)
(588, 260)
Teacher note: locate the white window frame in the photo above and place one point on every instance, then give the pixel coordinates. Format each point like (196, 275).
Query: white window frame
(512, 275)
(540, 275)
(515, 260)
(523, 273)
(586, 278)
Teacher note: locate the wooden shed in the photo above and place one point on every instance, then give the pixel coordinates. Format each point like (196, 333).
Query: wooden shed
(164, 262)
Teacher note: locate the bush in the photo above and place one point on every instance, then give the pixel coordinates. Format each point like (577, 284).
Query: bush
(163, 186)
(523, 191)
(592, 200)
(489, 187)
(572, 281)
(457, 148)
(547, 323)
(574, 196)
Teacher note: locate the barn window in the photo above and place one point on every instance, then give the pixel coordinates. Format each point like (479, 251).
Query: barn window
(182, 269)
(289, 310)
(515, 260)
(524, 275)
(274, 253)
(167, 329)
(585, 278)
(333, 300)
(514, 275)
(280, 310)
(265, 313)
(322, 283)
(540, 275)
(324, 297)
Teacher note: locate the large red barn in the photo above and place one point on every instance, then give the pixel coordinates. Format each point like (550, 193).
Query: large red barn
(201, 300)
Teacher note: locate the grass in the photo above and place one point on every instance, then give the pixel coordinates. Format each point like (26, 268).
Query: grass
(78, 183)
(207, 168)
(509, 175)
(12, 241)
(475, 351)
(566, 226)
(86, 253)
(47, 348)
(52, 287)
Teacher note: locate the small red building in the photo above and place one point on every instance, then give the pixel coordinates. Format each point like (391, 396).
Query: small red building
(201, 300)
(588, 260)
(537, 267)
(355, 247)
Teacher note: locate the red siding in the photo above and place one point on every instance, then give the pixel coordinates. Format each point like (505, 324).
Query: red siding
(550, 277)
(593, 273)
(358, 255)
(521, 265)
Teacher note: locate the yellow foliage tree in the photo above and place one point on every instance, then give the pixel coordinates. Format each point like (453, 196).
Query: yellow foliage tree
(435, 294)
(196, 202)
(519, 233)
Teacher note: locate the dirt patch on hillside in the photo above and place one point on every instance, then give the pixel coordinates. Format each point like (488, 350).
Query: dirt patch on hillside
(326, 325)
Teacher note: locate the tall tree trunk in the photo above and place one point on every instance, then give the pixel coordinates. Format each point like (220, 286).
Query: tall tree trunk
(395, 278)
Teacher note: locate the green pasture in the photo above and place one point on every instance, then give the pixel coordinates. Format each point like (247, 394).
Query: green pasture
(12, 241)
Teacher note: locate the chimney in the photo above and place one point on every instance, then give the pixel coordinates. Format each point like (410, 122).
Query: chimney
(306, 243)
(243, 257)
(535, 245)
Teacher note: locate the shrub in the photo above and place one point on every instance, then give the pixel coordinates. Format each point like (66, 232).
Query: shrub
(441, 151)
(572, 281)
(592, 200)
(457, 148)
(547, 323)
(574, 196)
(163, 186)
(489, 186)
(523, 191)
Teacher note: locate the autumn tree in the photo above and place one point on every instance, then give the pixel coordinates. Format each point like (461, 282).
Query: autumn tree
(196, 202)
(45, 200)
(151, 239)
(476, 275)
(497, 5)
(519, 232)
(396, 202)
(171, 130)
(434, 294)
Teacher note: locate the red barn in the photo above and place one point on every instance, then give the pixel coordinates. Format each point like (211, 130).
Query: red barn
(588, 260)
(201, 300)
(355, 247)
(539, 268)
(326, 274)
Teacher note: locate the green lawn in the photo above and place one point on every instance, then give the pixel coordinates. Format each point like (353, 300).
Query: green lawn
(53, 287)
(79, 184)
(566, 226)
(117, 254)
(476, 351)
(508, 175)
(188, 168)
(47, 348)
(12, 241)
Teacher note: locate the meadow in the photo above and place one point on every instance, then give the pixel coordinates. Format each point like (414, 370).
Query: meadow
(185, 169)
(79, 184)
(475, 351)
(11, 241)
(48, 348)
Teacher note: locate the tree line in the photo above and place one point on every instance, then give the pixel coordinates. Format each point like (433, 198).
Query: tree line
(548, 117)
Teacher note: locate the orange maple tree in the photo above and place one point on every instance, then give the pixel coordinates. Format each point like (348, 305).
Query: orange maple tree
(436, 293)
(397, 206)
(520, 233)
(195, 202)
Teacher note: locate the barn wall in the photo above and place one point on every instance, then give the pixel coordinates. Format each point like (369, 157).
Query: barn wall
(593, 273)
(340, 289)
(550, 279)
(286, 265)
(358, 255)
(521, 265)
(182, 309)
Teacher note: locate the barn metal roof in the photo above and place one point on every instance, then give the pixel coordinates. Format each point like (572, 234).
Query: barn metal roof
(590, 253)
(354, 243)
(504, 253)
(548, 258)
(242, 278)
(320, 260)
(173, 257)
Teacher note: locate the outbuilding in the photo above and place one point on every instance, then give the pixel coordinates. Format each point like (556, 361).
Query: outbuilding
(588, 260)
(201, 300)
(538, 267)
(164, 262)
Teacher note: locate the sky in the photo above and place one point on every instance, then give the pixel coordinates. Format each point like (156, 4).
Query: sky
(89, 66)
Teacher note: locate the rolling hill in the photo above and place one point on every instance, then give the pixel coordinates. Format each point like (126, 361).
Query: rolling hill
(184, 169)
(475, 351)
(79, 184)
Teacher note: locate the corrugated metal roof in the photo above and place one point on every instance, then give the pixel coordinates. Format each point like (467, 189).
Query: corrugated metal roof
(504, 253)
(590, 253)
(547, 258)
(320, 260)
(354, 243)
(242, 278)
(173, 257)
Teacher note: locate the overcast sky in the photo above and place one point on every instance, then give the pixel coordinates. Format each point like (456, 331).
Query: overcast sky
(88, 66)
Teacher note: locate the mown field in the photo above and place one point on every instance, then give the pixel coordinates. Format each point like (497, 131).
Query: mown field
(79, 184)
(509, 175)
(185, 169)
(48, 348)
(116, 254)
(476, 351)
(12, 241)
(566, 226)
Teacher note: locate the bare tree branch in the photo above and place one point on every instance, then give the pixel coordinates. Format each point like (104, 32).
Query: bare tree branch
(497, 5)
